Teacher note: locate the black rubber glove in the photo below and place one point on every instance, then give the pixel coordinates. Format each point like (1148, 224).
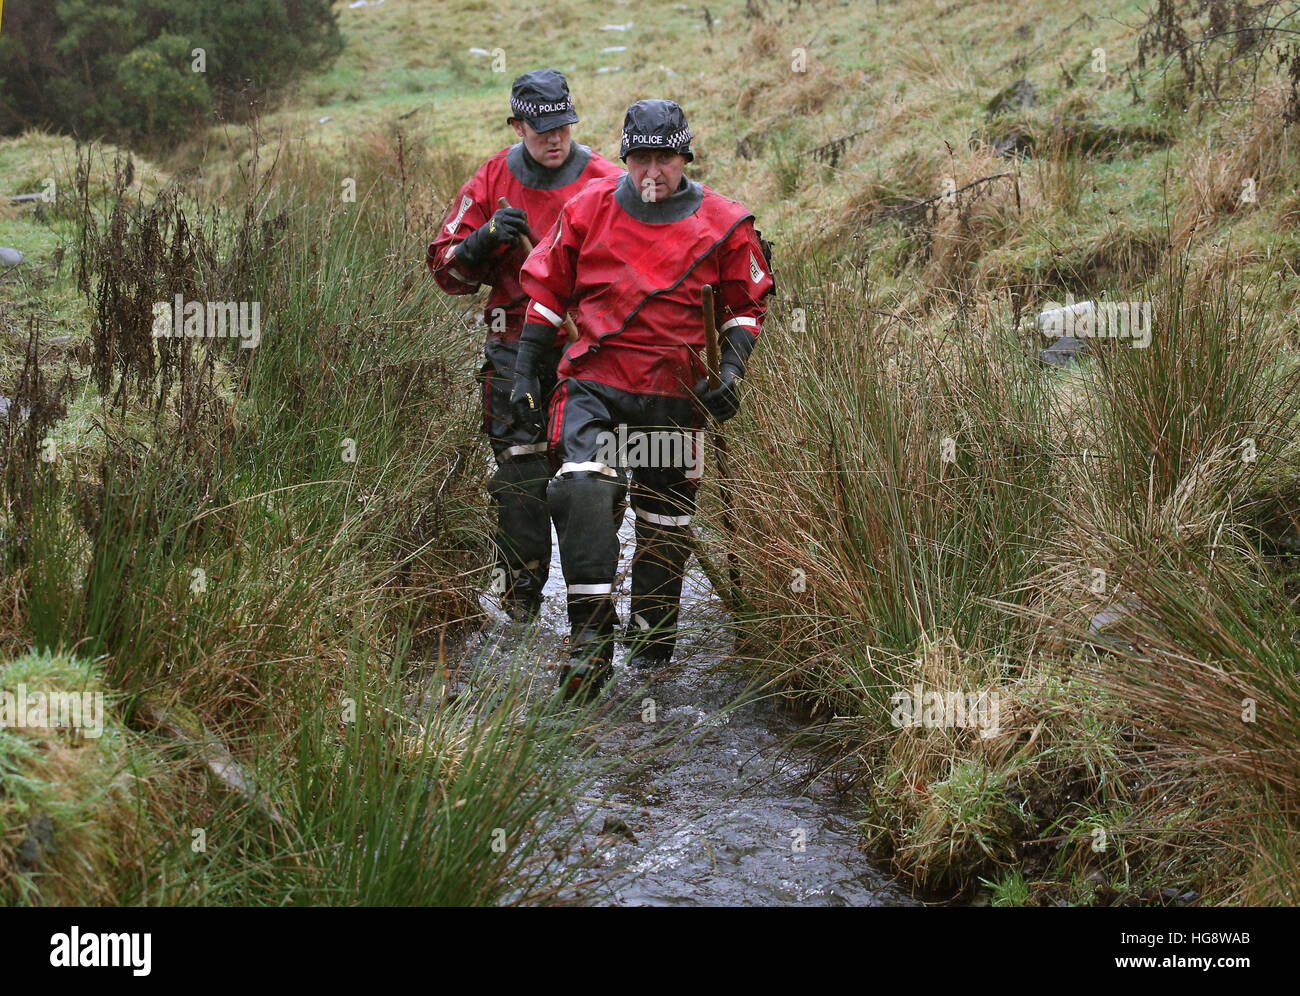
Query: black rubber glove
(723, 401)
(503, 228)
(526, 402)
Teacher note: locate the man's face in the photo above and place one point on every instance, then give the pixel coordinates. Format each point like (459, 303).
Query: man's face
(656, 173)
(550, 148)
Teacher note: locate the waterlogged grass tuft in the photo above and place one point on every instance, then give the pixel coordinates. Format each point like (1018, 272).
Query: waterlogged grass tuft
(255, 543)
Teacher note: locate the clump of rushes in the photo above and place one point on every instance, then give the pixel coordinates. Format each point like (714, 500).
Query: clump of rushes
(373, 804)
(878, 558)
(894, 489)
(1184, 634)
(1205, 672)
(69, 799)
(891, 483)
(265, 549)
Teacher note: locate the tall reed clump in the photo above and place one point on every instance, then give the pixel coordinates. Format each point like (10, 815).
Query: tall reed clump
(274, 543)
(892, 488)
(1183, 425)
(1198, 655)
(373, 802)
(889, 484)
(919, 506)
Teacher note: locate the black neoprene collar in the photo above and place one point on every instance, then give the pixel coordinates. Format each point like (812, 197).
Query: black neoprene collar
(683, 202)
(531, 173)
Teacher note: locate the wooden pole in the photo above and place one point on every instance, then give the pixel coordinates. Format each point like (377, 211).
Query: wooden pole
(713, 359)
(570, 329)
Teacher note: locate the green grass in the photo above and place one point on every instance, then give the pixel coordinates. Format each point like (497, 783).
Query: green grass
(960, 573)
(237, 578)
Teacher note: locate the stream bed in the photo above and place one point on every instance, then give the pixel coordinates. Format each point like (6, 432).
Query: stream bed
(695, 796)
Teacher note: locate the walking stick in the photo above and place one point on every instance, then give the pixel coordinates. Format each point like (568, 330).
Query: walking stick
(713, 360)
(526, 243)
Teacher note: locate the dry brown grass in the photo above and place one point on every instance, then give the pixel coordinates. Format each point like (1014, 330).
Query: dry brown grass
(1262, 149)
(924, 64)
(976, 220)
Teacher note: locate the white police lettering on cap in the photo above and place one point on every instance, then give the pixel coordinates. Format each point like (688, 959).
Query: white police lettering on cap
(531, 110)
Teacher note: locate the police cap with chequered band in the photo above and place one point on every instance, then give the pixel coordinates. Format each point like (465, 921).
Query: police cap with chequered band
(541, 97)
(656, 124)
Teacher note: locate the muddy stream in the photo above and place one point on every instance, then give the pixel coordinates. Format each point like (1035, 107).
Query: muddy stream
(707, 804)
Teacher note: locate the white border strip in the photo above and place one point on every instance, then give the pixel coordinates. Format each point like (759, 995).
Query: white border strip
(739, 320)
(548, 314)
(523, 448)
(662, 520)
(591, 589)
(566, 468)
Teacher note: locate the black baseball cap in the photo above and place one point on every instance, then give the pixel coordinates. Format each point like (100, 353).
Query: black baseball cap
(656, 124)
(541, 97)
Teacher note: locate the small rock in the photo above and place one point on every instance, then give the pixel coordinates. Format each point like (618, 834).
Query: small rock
(29, 855)
(1015, 142)
(1017, 96)
(1107, 617)
(1101, 624)
(39, 842)
(42, 828)
(1064, 351)
(10, 257)
(616, 827)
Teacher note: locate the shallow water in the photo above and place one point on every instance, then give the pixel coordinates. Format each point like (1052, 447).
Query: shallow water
(693, 798)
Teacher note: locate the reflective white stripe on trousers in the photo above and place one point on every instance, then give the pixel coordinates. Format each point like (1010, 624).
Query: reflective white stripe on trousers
(591, 589)
(524, 448)
(602, 468)
(662, 520)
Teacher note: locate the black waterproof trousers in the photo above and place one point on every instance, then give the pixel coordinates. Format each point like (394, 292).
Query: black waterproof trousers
(518, 487)
(598, 433)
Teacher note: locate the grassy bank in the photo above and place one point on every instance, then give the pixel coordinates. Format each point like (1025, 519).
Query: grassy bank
(1106, 549)
(255, 552)
(1077, 554)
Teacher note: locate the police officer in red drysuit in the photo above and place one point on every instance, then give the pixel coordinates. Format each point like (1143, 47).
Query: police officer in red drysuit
(629, 255)
(479, 243)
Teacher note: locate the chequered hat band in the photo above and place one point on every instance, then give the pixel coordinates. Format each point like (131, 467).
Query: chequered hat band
(679, 139)
(534, 109)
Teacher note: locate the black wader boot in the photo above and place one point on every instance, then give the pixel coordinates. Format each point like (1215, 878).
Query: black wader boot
(523, 535)
(518, 487)
(662, 549)
(583, 504)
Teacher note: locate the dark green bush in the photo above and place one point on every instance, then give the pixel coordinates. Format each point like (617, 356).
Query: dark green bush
(128, 70)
